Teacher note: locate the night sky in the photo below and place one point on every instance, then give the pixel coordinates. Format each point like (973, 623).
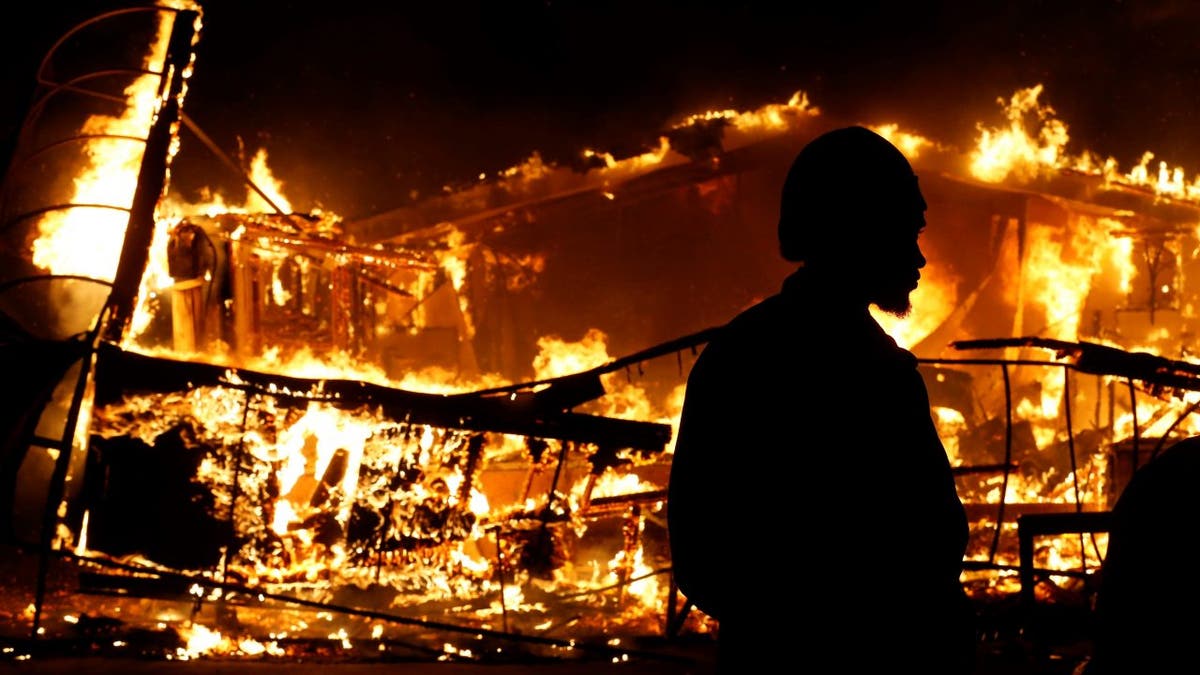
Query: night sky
(364, 106)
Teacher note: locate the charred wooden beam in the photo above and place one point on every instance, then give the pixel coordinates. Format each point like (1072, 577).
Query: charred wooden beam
(138, 586)
(977, 511)
(693, 341)
(1096, 359)
(968, 470)
(119, 372)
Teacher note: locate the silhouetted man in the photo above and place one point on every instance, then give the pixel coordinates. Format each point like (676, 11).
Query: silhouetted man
(812, 508)
(1147, 602)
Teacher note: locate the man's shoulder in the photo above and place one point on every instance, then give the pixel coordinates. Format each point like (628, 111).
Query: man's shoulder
(760, 321)
(752, 340)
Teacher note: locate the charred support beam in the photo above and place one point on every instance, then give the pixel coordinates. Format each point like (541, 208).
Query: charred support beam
(1013, 511)
(119, 372)
(1155, 371)
(983, 468)
(575, 427)
(345, 296)
(576, 381)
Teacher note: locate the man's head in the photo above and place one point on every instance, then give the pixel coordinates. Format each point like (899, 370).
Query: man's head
(851, 212)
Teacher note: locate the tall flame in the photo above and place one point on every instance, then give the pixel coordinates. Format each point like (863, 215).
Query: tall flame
(88, 241)
(1033, 143)
(266, 181)
(1014, 149)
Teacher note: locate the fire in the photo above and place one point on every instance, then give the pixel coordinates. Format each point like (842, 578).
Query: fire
(260, 173)
(87, 241)
(531, 169)
(1120, 252)
(909, 143)
(557, 357)
(950, 423)
(1153, 417)
(771, 118)
(309, 447)
(741, 127)
(296, 478)
(266, 181)
(634, 164)
(1058, 277)
(326, 465)
(624, 399)
(203, 641)
(318, 466)
(1013, 149)
(1034, 144)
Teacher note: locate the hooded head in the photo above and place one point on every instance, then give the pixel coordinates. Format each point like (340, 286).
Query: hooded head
(851, 212)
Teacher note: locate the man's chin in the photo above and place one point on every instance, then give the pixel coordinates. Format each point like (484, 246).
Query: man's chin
(899, 306)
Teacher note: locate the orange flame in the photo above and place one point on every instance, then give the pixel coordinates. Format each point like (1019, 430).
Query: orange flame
(1013, 149)
(909, 143)
(88, 241)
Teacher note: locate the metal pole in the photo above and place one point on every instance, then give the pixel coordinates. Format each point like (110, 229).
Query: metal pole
(152, 177)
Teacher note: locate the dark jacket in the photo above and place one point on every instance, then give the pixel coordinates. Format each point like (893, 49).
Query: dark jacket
(808, 482)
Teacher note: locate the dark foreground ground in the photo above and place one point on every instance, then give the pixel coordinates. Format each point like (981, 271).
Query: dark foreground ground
(687, 655)
(686, 660)
(1047, 639)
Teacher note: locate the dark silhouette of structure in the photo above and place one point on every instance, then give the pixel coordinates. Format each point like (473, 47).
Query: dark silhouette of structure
(807, 431)
(1145, 618)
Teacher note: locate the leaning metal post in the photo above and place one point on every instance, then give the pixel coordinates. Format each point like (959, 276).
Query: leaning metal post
(135, 251)
(152, 177)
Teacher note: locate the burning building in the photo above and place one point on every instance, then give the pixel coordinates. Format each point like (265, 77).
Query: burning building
(256, 427)
(243, 402)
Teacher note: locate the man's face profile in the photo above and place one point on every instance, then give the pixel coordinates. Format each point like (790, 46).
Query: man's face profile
(893, 259)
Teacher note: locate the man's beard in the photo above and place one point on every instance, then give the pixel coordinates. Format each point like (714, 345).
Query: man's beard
(897, 303)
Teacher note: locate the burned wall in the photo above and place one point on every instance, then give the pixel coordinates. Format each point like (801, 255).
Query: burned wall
(648, 261)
